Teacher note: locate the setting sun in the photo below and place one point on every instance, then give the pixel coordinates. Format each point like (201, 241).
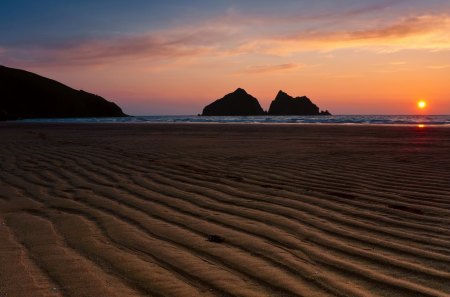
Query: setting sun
(422, 104)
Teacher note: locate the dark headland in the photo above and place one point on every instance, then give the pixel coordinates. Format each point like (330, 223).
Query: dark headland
(240, 103)
(27, 95)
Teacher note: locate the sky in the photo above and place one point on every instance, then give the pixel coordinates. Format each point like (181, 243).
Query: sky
(174, 57)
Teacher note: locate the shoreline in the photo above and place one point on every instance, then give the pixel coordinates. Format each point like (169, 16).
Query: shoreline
(409, 125)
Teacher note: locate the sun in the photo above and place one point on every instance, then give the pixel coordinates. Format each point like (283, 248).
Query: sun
(422, 104)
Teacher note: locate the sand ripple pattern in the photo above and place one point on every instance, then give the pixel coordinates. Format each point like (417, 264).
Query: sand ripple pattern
(126, 210)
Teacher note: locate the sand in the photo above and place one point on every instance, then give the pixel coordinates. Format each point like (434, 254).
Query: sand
(305, 210)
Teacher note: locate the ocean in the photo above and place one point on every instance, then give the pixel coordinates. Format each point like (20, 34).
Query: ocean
(441, 120)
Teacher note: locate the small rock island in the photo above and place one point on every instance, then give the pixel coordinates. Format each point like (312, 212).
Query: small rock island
(238, 103)
(27, 95)
(287, 105)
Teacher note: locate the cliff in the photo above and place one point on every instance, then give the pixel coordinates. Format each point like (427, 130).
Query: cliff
(27, 95)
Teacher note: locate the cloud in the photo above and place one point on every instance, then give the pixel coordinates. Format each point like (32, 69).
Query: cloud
(398, 63)
(362, 10)
(431, 32)
(347, 76)
(234, 35)
(380, 5)
(438, 67)
(165, 44)
(408, 27)
(270, 68)
(235, 17)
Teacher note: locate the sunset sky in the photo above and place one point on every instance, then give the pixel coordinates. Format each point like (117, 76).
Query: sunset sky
(170, 57)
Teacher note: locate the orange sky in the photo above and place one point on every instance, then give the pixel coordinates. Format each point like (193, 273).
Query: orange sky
(371, 60)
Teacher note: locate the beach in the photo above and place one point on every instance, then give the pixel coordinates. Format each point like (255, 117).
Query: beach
(301, 210)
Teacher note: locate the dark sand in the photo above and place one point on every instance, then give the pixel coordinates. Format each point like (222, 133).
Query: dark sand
(125, 210)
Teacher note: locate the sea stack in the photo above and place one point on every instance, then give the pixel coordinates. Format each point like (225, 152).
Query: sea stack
(238, 103)
(287, 105)
(27, 95)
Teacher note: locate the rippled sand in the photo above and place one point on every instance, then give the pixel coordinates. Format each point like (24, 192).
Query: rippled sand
(125, 210)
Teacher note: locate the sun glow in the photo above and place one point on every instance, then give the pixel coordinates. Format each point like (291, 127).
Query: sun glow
(422, 104)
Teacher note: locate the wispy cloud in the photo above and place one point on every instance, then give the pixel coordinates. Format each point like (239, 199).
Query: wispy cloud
(370, 8)
(165, 44)
(422, 32)
(236, 34)
(303, 16)
(439, 67)
(270, 68)
(397, 63)
(414, 26)
(347, 76)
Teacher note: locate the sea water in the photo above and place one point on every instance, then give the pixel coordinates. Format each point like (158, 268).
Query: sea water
(336, 119)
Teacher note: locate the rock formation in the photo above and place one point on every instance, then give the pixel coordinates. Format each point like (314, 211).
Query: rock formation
(27, 95)
(238, 103)
(287, 105)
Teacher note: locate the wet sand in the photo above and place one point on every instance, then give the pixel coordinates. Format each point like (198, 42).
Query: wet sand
(314, 210)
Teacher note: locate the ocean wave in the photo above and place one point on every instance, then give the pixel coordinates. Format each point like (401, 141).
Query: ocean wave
(339, 119)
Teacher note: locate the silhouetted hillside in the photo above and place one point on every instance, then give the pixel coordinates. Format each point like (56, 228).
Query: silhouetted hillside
(27, 95)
